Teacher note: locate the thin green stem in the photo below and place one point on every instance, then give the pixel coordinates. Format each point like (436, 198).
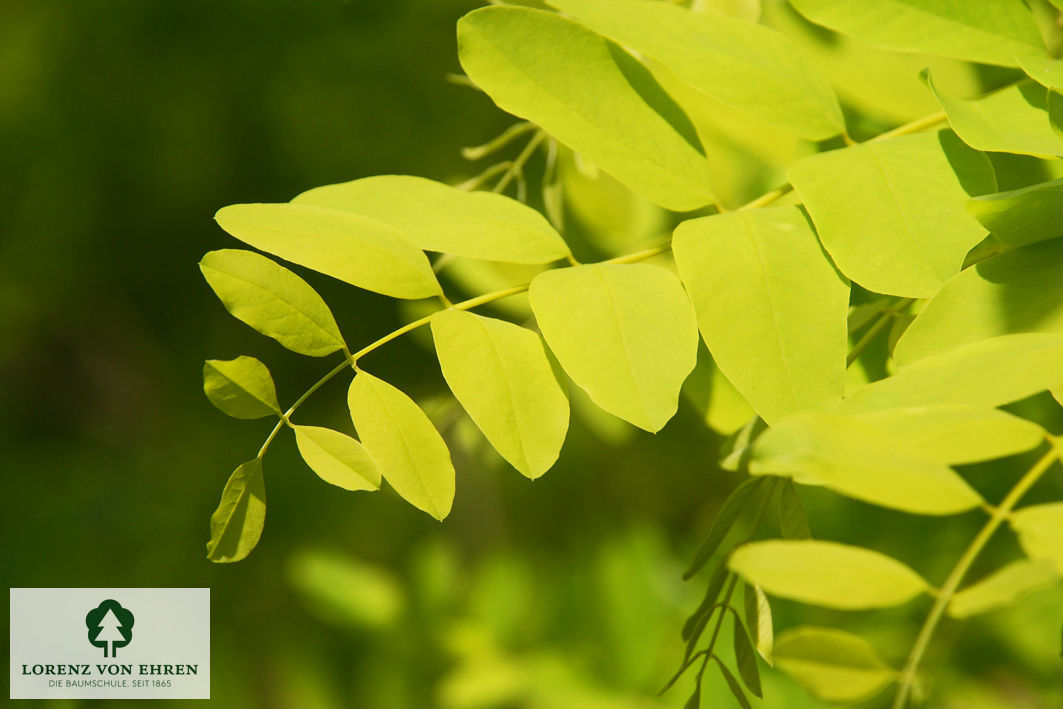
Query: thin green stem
(913, 127)
(299, 402)
(517, 165)
(958, 572)
(872, 332)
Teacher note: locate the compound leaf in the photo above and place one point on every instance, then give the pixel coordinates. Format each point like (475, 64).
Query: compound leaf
(858, 460)
(625, 333)
(337, 458)
(826, 574)
(1003, 587)
(1023, 216)
(501, 375)
(241, 387)
(734, 61)
(408, 450)
(272, 300)
(832, 664)
(1018, 291)
(438, 217)
(360, 251)
(892, 214)
(989, 31)
(612, 110)
(236, 525)
(1040, 530)
(777, 330)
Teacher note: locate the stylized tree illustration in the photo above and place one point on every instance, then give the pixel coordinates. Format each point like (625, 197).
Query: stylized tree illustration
(109, 623)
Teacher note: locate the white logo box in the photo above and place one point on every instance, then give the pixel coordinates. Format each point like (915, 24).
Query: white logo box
(149, 643)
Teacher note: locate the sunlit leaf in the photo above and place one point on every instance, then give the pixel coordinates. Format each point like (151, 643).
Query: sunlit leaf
(734, 61)
(337, 458)
(826, 574)
(892, 214)
(408, 450)
(236, 525)
(502, 377)
(986, 373)
(438, 217)
(770, 306)
(272, 300)
(1023, 216)
(861, 461)
(1012, 120)
(242, 387)
(611, 110)
(360, 251)
(988, 31)
(957, 434)
(716, 400)
(832, 664)
(759, 621)
(1044, 70)
(625, 333)
(1040, 530)
(1003, 587)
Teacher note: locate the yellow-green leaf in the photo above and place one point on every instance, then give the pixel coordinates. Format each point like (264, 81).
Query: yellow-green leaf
(957, 435)
(625, 333)
(409, 452)
(501, 375)
(1013, 120)
(858, 460)
(272, 300)
(758, 619)
(1040, 530)
(236, 525)
(1044, 70)
(241, 387)
(986, 31)
(826, 574)
(360, 251)
(1023, 216)
(610, 110)
(1003, 587)
(770, 306)
(337, 458)
(438, 217)
(832, 664)
(990, 373)
(734, 61)
(892, 214)
(1018, 291)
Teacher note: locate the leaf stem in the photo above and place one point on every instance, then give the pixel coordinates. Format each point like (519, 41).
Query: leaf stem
(884, 319)
(958, 572)
(517, 165)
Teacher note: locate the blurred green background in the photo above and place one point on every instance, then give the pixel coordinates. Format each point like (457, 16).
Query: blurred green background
(124, 125)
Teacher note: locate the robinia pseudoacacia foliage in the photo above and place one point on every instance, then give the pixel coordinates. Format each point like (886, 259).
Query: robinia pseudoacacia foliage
(903, 246)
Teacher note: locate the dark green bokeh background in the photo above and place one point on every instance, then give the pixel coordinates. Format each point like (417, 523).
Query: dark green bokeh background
(124, 125)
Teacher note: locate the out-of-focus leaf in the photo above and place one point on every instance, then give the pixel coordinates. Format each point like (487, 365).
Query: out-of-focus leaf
(957, 434)
(241, 387)
(439, 217)
(832, 664)
(891, 214)
(792, 521)
(346, 591)
(337, 458)
(502, 377)
(1040, 530)
(236, 525)
(735, 61)
(989, 31)
(611, 110)
(1003, 587)
(746, 658)
(733, 685)
(1013, 120)
(625, 333)
(1015, 292)
(777, 328)
(360, 251)
(408, 450)
(1023, 216)
(826, 574)
(758, 619)
(861, 461)
(722, 523)
(272, 300)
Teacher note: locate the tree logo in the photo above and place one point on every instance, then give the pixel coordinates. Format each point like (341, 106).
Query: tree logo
(110, 624)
